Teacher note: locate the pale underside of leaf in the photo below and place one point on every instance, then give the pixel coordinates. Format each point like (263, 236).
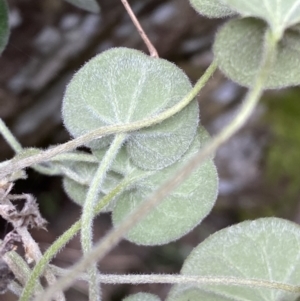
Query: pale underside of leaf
(279, 14)
(238, 50)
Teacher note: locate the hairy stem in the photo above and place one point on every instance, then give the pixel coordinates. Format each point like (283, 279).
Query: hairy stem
(9, 137)
(186, 279)
(115, 235)
(64, 239)
(33, 252)
(89, 208)
(16, 164)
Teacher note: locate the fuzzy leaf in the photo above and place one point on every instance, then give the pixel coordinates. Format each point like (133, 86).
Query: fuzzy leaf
(181, 211)
(142, 297)
(264, 249)
(89, 5)
(4, 27)
(279, 14)
(238, 50)
(211, 8)
(123, 85)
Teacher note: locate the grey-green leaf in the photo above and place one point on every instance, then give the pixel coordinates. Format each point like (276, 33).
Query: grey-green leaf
(264, 249)
(238, 50)
(123, 85)
(279, 14)
(4, 25)
(212, 8)
(89, 5)
(142, 297)
(181, 211)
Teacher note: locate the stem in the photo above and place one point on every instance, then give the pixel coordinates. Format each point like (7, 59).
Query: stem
(64, 239)
(9, 137)
(12, 165)
(115, 235)
(89, 208)
(151, 48)
(187, 279)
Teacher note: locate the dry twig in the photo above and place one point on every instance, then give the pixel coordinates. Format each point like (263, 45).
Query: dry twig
(151, 48)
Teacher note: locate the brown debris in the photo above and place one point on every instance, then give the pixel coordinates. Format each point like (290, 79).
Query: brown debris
(28, 216)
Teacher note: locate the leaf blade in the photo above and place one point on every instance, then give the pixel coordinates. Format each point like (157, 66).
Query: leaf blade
(280, 15)
(238, 50)
(124, 85)
(266, 249)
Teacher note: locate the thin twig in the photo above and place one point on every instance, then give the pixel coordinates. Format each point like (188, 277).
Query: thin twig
(151, 48)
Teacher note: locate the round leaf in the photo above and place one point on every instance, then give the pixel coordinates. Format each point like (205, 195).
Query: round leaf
(279, 14)
(4, 27)
(142, 297)
(181, 211)
(212, 8)
(238, 50)
(123, 85)
(89, 5)
(264, 249)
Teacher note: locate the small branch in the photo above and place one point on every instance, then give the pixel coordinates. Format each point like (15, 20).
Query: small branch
(151, 48)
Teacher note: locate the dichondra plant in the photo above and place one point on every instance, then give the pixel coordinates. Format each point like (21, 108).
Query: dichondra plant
(150, 163)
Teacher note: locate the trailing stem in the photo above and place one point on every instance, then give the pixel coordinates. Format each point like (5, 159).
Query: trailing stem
(63, 240)
(187, 279)
(10, 166)
(89, 208)
(115, 235)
